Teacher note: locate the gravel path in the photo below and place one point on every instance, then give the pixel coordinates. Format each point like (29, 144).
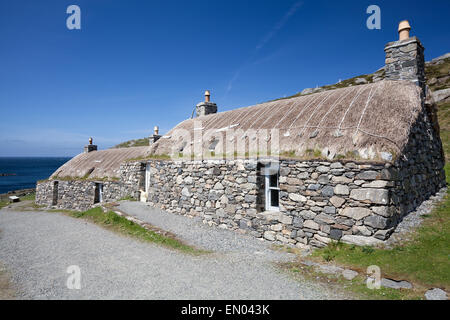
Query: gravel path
(192, 231)
(37, 247)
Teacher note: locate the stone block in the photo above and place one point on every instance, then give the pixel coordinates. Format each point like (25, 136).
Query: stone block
(376, 222)
(356, 213)
(376, 196)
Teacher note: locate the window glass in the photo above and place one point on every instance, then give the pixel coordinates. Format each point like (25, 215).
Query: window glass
(273, 181)
(274, 198)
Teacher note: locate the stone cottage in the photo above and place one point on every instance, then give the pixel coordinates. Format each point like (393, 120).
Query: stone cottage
(342, 164)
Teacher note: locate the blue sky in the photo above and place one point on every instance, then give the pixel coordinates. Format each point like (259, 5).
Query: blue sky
(136, 64)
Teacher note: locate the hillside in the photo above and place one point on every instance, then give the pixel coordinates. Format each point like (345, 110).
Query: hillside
(133, 143)
(437, 73)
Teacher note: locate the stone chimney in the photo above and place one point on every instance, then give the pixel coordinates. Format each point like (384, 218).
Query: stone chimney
(405, 58)
(155, 136)
(90, 147)
(206, 107)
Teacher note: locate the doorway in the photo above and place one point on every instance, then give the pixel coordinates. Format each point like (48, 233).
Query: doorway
(98, 195)
(55, 193)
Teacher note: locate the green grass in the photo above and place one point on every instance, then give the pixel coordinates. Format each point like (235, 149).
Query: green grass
(424, 260)
(128, 198)
(31, 196)
(3, 203)
(114, 222)
(356, 288)
(133, 143)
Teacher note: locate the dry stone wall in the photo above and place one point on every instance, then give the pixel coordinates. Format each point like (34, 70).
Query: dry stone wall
(80, 194)
(319, 200)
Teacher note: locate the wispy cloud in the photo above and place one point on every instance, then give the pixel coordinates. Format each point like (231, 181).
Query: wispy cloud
(279, 25)
(269, 36)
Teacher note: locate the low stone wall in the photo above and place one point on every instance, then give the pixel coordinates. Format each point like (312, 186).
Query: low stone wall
(223, 193)
(319, 200)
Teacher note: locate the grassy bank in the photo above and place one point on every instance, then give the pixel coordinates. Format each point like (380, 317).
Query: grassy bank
(29, 197)
(111, 221)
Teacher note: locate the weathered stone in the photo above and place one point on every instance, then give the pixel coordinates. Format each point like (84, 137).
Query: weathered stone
(323, 179)
(341, 189)
(185, 192)
(377, 196)
(336, 165)
(284, 219)
(388, 283)
(311, 225)
(349, 274)
(436, 294)
(360, 240)
(376, 184)
(383, 234)
(368, 175)
(303, 175)
(277, 227)
(329, 210)
(337, 201)
(327, 191)
(376, 222)
(363, 230)
(341, 179)
(269, 235)
(323, 169)
(335, 234)
(356, 213)
(297, 197)
(322, 239)
(218, 186)
(250, 198)
(314, 187)
(307, 214)
(324, 218)
(382, 211)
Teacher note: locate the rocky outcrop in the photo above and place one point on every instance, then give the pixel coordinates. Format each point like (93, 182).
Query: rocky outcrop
(441, 95)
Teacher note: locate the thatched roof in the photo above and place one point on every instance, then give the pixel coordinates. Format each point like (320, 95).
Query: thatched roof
(99, 164)
(370, 118)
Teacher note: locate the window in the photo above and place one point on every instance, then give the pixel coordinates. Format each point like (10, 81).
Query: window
(271, 187)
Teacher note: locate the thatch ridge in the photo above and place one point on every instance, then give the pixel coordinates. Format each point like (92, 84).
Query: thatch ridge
(103, 164)
(370, 118)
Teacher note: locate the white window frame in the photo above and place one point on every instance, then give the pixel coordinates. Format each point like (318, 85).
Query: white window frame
(147, 177)
(268, 194)
(100, 192)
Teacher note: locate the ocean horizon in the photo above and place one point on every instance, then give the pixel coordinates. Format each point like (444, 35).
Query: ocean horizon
(18, 173)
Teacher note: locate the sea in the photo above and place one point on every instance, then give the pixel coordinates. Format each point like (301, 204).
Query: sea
(18, 173)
